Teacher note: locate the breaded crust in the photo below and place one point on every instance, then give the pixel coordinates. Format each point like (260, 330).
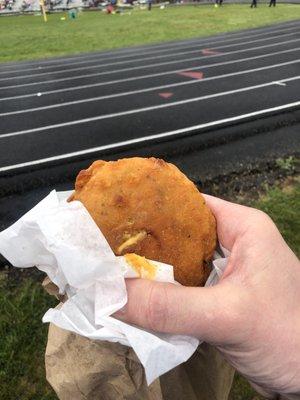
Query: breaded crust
(148, 207)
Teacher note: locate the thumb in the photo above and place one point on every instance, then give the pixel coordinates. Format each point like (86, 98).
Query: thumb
(165, 307)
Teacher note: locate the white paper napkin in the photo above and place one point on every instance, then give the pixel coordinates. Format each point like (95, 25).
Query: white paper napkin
(62, 240)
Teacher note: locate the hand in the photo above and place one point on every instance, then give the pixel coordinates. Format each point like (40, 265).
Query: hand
(252, 315)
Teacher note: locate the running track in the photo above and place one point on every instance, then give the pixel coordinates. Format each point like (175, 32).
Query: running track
(64, 109)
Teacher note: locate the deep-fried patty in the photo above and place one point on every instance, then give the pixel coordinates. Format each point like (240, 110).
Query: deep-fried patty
(148, 207)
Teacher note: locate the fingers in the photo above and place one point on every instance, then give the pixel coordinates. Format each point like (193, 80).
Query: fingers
(165, 307)
(231, 219)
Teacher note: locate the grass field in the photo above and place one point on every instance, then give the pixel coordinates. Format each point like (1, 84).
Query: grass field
(23, 302)
(28, 37)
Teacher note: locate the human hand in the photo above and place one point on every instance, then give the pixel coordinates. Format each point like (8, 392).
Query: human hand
(252, 315)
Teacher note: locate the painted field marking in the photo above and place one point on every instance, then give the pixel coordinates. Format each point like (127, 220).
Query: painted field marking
(166, 95)
(207, 52)
(191, 74)
(280, 83)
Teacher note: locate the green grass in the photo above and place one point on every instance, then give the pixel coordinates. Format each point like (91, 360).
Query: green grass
(28, 37)
(23, 340)
(283, 207)
(23, 302)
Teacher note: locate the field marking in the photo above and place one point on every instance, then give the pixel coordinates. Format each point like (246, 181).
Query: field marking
(190, 74)
(142, 59)
(151, 137)
(166, 95)
(128, 69)
(129, 50)
(39, 68)
(143, 109)
(150, 89)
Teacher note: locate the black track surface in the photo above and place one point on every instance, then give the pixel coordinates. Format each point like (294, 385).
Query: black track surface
(71, 108)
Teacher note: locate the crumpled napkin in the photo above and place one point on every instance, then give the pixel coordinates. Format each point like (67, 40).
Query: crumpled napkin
(61, 239)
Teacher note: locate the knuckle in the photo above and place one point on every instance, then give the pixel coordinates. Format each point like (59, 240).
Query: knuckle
(156, 310)
(232, 318)
(263, 216)
(262, 219)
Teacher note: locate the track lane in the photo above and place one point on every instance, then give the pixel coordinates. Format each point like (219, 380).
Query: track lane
(56, 100)
(13, 91)
(144, 124)
(186, 89)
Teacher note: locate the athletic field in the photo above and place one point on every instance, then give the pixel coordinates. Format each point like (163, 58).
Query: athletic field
(28, 37)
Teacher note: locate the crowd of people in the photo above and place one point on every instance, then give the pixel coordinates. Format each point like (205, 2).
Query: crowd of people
(51, 4)
(101, 3)
(26, 5)
(110, 5)
(6, 4)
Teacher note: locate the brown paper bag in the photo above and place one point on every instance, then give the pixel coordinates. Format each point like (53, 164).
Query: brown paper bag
(79, 368)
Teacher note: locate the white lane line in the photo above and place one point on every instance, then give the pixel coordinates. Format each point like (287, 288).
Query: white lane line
(140, 110)
(152, 137)
(128, 69)
(280, 83)
(150, 89)
(149, 46)
(147, 53)
(62, 71)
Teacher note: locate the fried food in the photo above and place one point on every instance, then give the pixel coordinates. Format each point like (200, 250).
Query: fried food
(148, 207)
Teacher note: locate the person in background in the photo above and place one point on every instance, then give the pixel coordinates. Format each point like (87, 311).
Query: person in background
(272, 3)
(149, 5)
(254, 3)
(218, 3)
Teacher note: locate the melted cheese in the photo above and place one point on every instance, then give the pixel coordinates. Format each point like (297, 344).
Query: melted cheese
(131, 241)
(141, 265)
